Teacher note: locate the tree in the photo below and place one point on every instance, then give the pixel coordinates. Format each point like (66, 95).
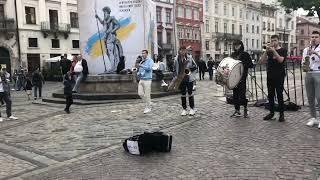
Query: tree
(313, 6)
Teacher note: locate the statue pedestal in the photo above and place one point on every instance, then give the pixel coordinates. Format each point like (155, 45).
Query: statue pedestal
(111, 87)
(118, 83)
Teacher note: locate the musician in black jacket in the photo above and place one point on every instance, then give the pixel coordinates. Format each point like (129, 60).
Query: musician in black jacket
(239, 92)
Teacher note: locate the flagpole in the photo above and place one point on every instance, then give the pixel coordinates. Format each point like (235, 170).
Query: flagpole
(104, 62)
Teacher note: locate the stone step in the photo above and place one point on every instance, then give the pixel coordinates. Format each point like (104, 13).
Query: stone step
(80, 102)
(110, 96)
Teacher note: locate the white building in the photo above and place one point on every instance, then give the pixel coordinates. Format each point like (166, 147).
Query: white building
(165, 28)
(230, 20)
(9, 56)
(223, 23)
(268, 22)
(46, 29)
(253, 29)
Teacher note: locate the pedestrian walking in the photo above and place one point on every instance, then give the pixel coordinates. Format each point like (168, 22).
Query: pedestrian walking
(5, 95)
(239, 92)
(28, 87)
(81, 72)
(37, 81)
(65, 64)
(275, 56)
(20, 78)
(185, 67)
(67, 82)
(202, 69)
(145, 76)
(210, 65)
(311, 63)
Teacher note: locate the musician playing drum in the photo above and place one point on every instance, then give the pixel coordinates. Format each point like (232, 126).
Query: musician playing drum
(275, 57)
(239, 92)
(312, 79)
(185, 68)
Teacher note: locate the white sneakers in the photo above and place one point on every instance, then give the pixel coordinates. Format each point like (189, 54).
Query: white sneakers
(146, 110)
(192, 112)
(9, 118)
(164, 84)
(13, 118)
(312, 122)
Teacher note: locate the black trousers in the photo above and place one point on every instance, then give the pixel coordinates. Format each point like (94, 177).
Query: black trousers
(239, 95)
(210, 71)
(275, 84)
(201, 73)
(4, 96)
(187, 87)
(69, 101)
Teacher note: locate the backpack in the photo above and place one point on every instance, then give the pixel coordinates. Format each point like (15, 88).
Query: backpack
(147, 142)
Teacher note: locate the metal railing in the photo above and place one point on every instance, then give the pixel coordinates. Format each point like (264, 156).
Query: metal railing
(55, 27)
(293, 85)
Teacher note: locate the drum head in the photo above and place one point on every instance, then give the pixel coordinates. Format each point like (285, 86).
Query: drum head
(235, 76)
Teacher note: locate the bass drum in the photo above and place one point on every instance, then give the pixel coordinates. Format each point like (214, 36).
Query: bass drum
(229, 72)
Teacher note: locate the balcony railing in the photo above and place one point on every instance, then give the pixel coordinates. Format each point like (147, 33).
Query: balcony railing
(7, 25)
(227, 36)
(55, 28)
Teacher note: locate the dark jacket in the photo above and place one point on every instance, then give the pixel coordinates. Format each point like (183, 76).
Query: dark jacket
(28, 85)
(65, 65)
(67, 90)
(37, 79)
(85, 70)
(210, 64)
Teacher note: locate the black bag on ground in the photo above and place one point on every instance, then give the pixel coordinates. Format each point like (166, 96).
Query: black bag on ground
(147, 142)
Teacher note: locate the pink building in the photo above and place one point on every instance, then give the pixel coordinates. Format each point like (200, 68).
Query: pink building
(304, 30)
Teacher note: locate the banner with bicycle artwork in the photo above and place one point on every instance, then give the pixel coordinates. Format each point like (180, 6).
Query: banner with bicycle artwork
(113, 29)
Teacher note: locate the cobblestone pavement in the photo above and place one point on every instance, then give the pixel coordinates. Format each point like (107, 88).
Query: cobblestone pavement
(45, 143)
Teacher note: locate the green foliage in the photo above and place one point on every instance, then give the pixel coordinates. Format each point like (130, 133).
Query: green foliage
(313, 6)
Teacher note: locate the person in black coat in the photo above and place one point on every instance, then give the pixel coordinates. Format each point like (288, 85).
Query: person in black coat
(239, 92)
(210, 65)
(202, 68)
(67, 82)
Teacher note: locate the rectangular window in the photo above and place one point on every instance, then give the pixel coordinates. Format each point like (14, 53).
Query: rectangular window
(252, 16)
(264, 25)
(188, 13)
(168, 15)
(207, 45)
(55, 43)
(53, 17)
(207, 5)
(33, 42)
(268, 26)
(252, 43)
(225, 9)
(225, 46)
(74, 21)
(240, 29)
(241, 13)
(247, 28)
(232, 30)
(216, 27)
(207, 26)
(272, 27)
(1, 11)
(233, 11)
(217, 46)
(158, 13)
(258, 30)
(258, 43)
(302, 31)
(169, 37)
(75, 44)
(216, 8)
(180, 12)
(225, 28)
(30, 15)
(196, 14)
(247, 43)
(159, 34)
(252, 30)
